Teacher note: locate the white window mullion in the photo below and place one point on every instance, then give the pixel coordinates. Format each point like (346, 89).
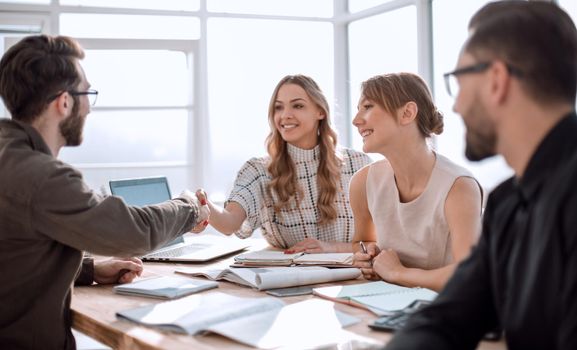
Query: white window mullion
(343, 108)
(425, 41)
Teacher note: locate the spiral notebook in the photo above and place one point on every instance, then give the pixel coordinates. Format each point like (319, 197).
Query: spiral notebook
(380, 297)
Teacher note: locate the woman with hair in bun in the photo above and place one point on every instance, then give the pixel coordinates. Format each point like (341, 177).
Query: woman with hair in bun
(417, 214)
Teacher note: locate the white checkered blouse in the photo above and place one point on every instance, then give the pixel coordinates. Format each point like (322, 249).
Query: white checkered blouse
(292, 225)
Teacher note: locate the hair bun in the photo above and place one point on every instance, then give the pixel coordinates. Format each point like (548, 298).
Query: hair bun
(437, 124)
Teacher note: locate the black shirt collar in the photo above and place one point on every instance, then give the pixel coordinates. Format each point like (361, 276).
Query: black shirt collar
(555, 150)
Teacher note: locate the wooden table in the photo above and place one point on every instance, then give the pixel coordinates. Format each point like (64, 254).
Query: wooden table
(94, 308)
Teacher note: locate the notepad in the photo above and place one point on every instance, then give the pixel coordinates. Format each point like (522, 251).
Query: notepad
(380, 297)
(279, 258)
(263, 322)
(166, 287)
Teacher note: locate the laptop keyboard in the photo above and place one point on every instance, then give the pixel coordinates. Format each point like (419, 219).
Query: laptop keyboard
(179, 251)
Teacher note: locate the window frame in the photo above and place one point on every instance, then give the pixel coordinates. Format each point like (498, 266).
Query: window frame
(195, 142)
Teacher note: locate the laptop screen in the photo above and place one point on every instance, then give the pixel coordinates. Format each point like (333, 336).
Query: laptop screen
(143, 191)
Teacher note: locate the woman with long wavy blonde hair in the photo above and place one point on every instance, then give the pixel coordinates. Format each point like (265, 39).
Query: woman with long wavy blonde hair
(298, 195)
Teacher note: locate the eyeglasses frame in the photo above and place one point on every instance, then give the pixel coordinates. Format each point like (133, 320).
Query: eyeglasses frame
(475, 68)
(88, 92)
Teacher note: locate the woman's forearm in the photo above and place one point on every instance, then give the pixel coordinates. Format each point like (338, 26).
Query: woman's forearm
(432, 279)
(226, 220)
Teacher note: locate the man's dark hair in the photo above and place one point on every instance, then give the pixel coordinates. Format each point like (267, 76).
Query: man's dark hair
(36, 70)
(536, 38)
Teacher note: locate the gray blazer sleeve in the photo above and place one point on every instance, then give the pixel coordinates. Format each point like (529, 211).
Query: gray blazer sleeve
(64, 209)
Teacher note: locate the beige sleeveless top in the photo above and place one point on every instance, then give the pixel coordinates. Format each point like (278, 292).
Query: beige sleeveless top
(416, 230)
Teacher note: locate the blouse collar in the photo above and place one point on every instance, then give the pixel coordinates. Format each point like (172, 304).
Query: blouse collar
(299, 154)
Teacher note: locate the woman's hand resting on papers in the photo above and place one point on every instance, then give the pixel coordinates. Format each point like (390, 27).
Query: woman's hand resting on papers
(311, 245)
(117, 270)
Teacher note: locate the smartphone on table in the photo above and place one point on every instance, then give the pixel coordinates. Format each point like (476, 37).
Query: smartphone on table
(290, 292)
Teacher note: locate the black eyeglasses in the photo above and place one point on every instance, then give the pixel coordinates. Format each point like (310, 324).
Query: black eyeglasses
(452, 84)
(90, 93)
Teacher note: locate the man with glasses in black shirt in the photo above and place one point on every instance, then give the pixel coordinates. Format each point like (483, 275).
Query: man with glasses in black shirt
(517, 81)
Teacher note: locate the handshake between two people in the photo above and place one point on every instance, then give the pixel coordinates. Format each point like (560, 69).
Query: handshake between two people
(125, 270)
(199, 199)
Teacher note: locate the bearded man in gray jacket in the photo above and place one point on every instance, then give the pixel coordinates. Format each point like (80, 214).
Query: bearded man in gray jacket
(48, 215)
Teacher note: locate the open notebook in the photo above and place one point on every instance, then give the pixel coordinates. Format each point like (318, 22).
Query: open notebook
(154, 190)
(380, 297)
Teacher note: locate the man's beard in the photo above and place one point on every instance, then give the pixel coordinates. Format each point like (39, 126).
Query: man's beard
(483, 147)
(481, 139)
(72, 128)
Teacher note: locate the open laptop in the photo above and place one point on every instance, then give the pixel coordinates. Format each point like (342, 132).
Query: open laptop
(153, 190)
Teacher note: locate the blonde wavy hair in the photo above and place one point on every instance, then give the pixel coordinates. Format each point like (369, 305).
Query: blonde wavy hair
(282, 168)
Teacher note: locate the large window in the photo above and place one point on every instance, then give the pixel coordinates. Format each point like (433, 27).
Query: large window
(185, 84)
(246, 59)
(146, 110)
(147, 119)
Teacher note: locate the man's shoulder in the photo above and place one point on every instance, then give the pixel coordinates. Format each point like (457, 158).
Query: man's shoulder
(500, 192)
(563, 181)
(24, 166)
(27, 161)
